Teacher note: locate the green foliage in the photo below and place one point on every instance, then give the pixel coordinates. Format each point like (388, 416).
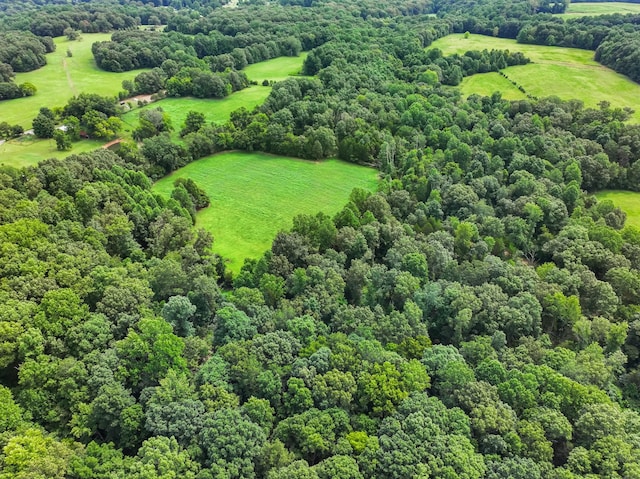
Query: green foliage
(474, 318)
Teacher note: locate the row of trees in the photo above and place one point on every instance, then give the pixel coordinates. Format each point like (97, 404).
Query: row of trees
(139, 49)
(187, 81)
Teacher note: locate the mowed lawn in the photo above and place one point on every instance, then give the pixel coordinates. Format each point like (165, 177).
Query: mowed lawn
(627, 201)
(255, 195)
(276, 69)
(599, 8)
(62, 78)
(564, 72)
(216, 111)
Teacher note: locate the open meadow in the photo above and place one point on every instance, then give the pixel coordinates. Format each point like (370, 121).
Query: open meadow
(63, 77)
(627, 201)
(29, 150)
(276, 69)
(564, 72)
(584, 9)
(255, 195)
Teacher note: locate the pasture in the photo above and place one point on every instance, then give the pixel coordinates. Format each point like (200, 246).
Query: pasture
(276, 69)
(627, 201)
(62, 78)
(590, 9)
(564, 72)
(487, 83)
(255, 195)
(28, 150)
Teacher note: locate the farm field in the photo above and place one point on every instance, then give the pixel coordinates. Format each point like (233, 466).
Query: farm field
(276, 69)
(255, 195)
(582, 9)
(563, 72)
(627, 201)
(216, 111)
(62, 78)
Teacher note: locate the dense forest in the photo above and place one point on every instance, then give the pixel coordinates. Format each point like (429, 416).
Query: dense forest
(477, 317)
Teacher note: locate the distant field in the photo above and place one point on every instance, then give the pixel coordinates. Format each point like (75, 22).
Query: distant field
(627, 201)
(564, 72)
(254, 195)
(599, 8)
(216, 111)
(59, 80)
(62, 78)
(276, 69)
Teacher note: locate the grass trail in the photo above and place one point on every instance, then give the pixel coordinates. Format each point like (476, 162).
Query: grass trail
(254, 195)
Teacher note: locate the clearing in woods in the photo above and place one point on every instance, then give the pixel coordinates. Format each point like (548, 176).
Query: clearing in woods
(29, 150)
(564, 72)
(255, 195)
(627, 201)
(276, 69)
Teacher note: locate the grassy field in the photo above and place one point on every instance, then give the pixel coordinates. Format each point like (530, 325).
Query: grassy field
(276, 69)
(486, 83)
(62, 78)
(217, 111)
(564, 72)
(28, 151)
(254, 195)
(627, 201)
(599, 8)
